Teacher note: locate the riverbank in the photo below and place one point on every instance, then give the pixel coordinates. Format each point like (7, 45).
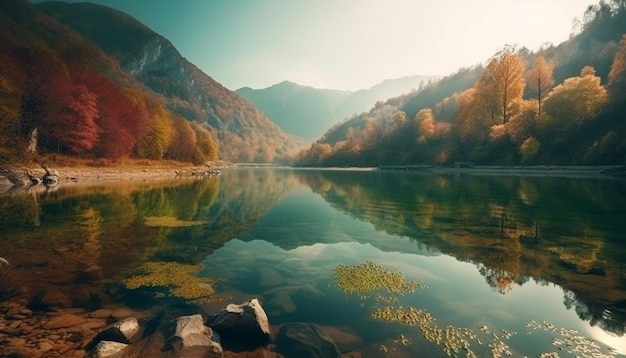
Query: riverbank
(129, 171)
(530, 170)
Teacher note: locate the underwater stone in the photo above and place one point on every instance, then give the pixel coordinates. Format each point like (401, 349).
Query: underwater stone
(106, 349)
(122, 331)
(305, 340)
(246, 323)
(190, 331)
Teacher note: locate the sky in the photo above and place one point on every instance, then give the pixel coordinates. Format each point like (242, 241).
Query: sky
(347, 44)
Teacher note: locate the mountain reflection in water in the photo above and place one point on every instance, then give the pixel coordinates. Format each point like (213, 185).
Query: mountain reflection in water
(494, 251)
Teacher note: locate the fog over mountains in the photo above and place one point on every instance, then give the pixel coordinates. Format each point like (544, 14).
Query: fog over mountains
(308, 112)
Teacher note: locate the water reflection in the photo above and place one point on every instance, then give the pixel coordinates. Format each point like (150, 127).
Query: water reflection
(558, 230)
(279, 232)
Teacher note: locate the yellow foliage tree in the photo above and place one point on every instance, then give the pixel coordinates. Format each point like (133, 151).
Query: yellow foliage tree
(155, 143)
(529, 149)
(577, 98)
(522, 125)
(206, 146)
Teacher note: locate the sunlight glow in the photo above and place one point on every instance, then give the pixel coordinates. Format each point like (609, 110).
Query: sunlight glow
(611, 340)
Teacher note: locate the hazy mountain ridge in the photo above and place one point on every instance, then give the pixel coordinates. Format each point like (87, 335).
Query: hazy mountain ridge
(308, 112)
(155, 62)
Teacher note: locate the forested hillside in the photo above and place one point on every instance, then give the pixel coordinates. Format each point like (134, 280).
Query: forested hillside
(562, 104)
(116, 89)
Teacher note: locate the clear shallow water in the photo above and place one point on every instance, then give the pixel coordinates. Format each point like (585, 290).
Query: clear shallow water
(494, 252)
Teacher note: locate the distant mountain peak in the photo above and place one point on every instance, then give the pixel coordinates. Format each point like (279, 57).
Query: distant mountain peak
(308, 112)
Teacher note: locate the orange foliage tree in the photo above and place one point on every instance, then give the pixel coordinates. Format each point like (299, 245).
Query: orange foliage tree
(501, 86)
(540, 79)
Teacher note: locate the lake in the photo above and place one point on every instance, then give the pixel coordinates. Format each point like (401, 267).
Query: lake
(403, 263)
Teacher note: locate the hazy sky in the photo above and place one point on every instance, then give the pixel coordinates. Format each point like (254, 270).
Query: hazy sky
(347, 44)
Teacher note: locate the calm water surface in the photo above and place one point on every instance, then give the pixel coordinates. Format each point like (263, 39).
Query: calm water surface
(525, 265)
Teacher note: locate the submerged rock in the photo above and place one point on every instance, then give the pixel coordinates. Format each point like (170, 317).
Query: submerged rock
(123, 331)
(244, 326)
(189, 332)
(305, 340)
(106, 349)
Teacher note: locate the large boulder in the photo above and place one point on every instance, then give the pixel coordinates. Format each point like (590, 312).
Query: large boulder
(189, 336)
(305, 340)
(243, 326)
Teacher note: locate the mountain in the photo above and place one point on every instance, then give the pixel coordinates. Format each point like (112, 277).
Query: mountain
(467, 117)
(244, 133)
(308, 112)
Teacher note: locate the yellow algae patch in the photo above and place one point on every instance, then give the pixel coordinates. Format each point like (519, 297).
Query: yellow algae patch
(179, 278)
(369, 277)
(170, 221)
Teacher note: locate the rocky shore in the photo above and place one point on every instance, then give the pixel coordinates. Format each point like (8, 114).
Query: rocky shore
(18, 177)
(184, 330)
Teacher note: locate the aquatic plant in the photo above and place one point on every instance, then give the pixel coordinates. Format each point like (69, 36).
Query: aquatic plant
(170, 221)
(369, 277)
(454, 341)
(180, 279)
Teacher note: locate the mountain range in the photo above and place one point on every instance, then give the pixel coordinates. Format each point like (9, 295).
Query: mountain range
(308, 112)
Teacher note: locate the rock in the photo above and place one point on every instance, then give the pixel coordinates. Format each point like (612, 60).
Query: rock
(107, 349)
(44, 346)
(281, 303)
(243, 326)
(122, 331)
(122, 313)
(51, 178)
(189, 332)
(101, 313)
(346, 341)
(305, 340)
(64, 321)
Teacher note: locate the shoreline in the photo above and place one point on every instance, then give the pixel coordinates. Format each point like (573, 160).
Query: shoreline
(91, 175)
(591, 171)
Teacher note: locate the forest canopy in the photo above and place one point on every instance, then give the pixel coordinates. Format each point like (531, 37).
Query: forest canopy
(560, 105)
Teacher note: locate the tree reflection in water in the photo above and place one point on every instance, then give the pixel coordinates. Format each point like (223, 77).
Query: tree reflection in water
(559, 230)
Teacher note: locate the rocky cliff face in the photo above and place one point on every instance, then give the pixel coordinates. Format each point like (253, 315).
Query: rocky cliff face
(189, 92)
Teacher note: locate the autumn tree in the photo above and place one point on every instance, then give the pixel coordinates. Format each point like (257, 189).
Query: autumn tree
(471, 122)
(577, 98)
(428, 127)
(155, 143)
(522, 125)
(540, 79)
(529, 149)
(206, 145)
(617, 75)
(123, 115)
(183, 147)
(501, 85)
(70, 124)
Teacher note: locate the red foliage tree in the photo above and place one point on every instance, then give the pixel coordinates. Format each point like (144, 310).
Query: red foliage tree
(123, 118)
(70, 123)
